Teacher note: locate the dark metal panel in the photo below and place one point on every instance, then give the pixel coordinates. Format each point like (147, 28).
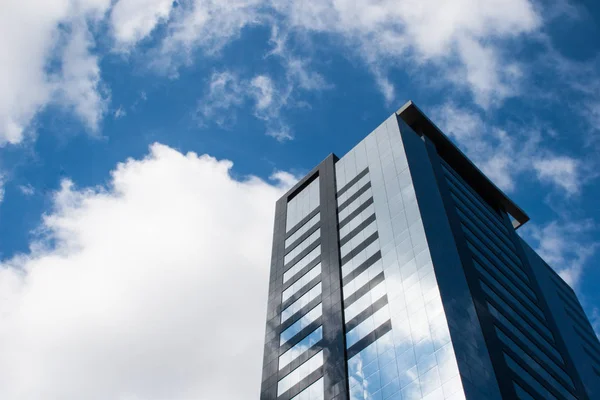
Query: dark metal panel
(334, 340)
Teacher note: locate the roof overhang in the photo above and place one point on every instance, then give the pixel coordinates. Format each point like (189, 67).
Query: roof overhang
(419, 122)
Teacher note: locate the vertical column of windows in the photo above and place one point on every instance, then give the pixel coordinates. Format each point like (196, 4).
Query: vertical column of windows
(366, 313)
(300, 340)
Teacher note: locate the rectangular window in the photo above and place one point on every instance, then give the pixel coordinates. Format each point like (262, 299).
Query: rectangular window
(301, 302)
(294, 377)
(511, 344)
(499, 280)
(355, 204)
(531, 381)
(301, 282)
(356, 221)
(301, 347)
(518, 330)
(360, 258)
(508, 310)
(362, 279)
(302, 230)
(367, 326)
(358, 239)
(502, 270)
(353, 189)
(302, 246)
(302, 204)
(302, 323)
(306, 260)
(365, 301)
(510, 299)
(316, 391)
(543, 374)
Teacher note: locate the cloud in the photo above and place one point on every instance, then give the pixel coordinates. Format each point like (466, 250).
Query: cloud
(263, 91)
(208, 25)
(120, 112)
(79, 86)
(152, 287)
(561, 171)
(133, 20)
(503, 157)
(463, 40)
(34, 36)
(565, 246)
(27, 190)
(1, 187)
(227, 92)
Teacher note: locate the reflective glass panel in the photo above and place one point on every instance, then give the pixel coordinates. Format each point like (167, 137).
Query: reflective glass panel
(301, 282)
(300, 347)
(302, 323)
(299, 373)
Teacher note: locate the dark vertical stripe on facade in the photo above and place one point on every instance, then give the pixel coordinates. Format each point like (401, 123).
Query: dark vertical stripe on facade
(271, 349)
(334, 339)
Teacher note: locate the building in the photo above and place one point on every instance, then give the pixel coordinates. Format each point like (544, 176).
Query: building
(397, 274)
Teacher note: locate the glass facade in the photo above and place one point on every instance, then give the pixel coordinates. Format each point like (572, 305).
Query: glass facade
(397, 336)
(397, 274)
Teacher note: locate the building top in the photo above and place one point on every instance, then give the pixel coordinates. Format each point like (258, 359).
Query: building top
(419, 122)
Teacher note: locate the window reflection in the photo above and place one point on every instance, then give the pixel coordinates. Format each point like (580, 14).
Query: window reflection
(302, 230)
(316, 391)
(301, 282)
(300, 373)
(302, 204)
(307, 259)
(301, 347)
(303, 301)
(302, 323)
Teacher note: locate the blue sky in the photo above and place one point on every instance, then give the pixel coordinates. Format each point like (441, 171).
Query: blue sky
(89, 87)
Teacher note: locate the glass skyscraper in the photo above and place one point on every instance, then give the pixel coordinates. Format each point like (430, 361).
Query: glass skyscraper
(397, 274)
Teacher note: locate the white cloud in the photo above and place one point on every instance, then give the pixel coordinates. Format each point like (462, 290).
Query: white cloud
(1, 187)
(561, 171)
(79, 87)
(133, 20)
(565, 247)
(263, 92)
(209, 25)
(227, 92)
(120, 112)
(503, 157)
(27, 190)
(154, 287)
(462, 38)
(31, 32)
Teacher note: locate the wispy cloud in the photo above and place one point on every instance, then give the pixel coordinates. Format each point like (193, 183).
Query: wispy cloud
(505, 156)
(566, 246)
(120, 112)
(560, 171)
(27, 190)
(466, 47)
